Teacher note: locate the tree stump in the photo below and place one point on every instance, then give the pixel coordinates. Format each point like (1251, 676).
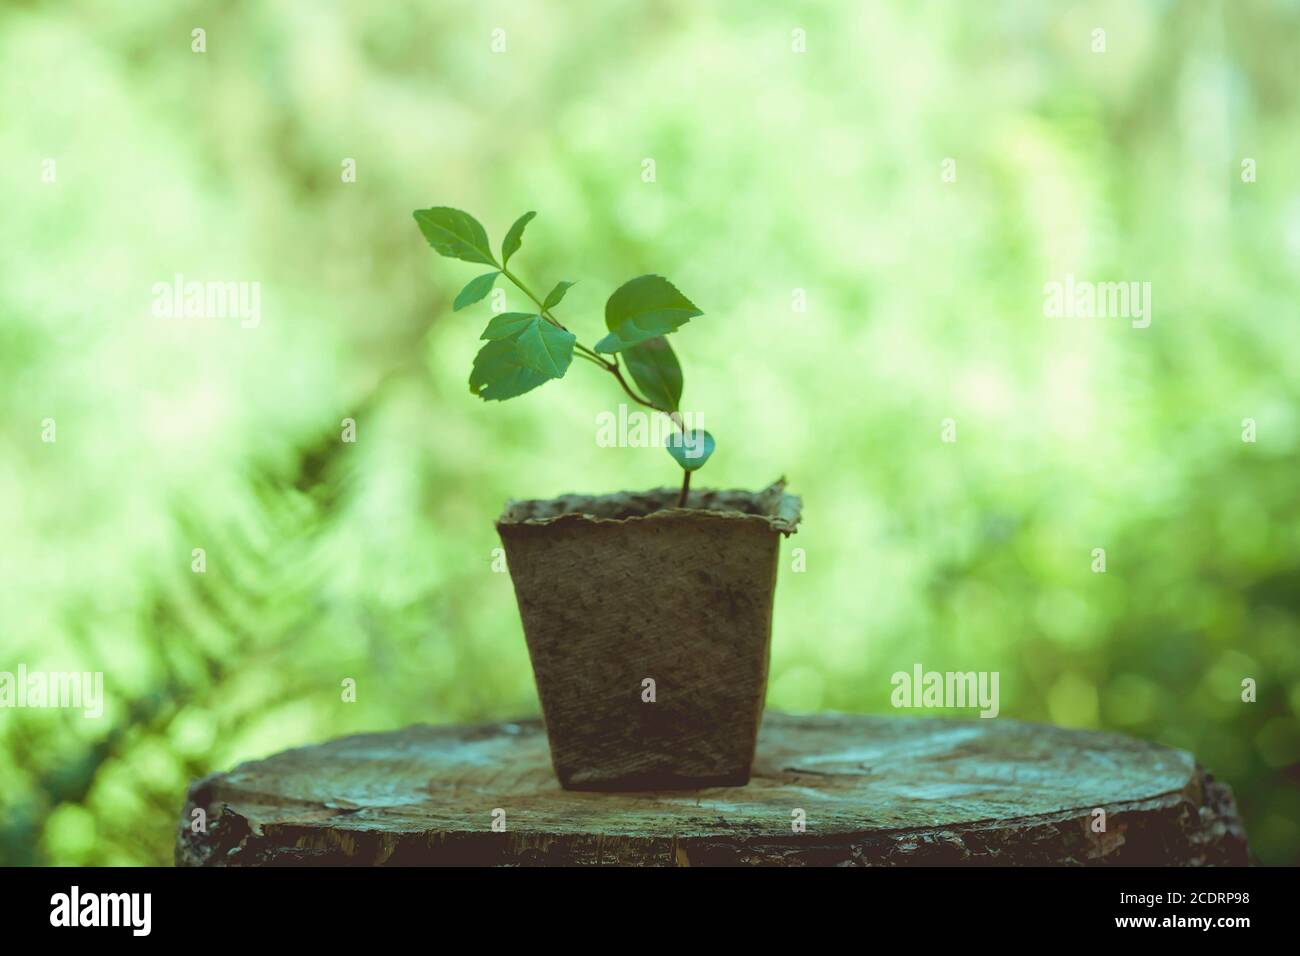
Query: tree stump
(826, 790)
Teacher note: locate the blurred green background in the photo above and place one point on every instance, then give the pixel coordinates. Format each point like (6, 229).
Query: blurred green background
(775, 171)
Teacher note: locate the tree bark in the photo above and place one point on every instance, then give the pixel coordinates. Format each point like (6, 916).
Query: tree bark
(868, 790)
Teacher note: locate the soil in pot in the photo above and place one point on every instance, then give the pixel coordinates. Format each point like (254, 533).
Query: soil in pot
(649, 628)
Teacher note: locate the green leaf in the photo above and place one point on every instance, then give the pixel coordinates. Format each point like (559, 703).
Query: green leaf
(507, 325)
(499, 373)
(691, 449)
(555, 295)
(455, 234)
(546, 348)
(538, 345)
(641, 309)
(515, 237)
(474, 290)
(655, 368)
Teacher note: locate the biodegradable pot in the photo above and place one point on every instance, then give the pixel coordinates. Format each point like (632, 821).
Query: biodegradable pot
(618, 590)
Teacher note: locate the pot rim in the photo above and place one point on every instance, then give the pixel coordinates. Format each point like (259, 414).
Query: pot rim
(778, 510)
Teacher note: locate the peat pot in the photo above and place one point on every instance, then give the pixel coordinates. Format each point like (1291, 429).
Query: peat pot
(649, 627)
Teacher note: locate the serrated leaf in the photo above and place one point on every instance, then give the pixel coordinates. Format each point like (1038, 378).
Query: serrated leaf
(507, 325)
(499, 373)
(691, 449)
(556, 295)
(455, 234)
(641, 309)
(545, 347)
(474, 290)
(654, 367)
(515, 237)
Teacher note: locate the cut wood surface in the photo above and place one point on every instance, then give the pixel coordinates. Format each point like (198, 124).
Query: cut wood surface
(870, 790)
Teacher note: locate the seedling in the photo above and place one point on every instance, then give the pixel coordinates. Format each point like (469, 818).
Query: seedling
(527, 349)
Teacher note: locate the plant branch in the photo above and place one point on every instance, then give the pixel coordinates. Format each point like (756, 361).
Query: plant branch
(618, 374)
(611, 367)
(542, 310)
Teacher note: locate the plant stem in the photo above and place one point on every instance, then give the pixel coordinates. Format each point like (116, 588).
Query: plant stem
(613, 368)
(591, 360)
(529, 292)
(609, 366)
(588, 354)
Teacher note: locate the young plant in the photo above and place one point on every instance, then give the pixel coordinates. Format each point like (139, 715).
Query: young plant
(528, 349)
